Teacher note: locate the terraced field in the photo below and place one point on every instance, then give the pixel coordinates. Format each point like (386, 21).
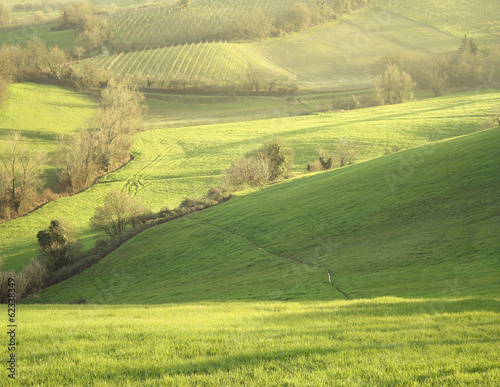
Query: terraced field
(213, 63)
(173, 163)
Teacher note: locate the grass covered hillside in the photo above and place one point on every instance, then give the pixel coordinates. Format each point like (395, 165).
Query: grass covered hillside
(172, 163)
(345, 51)
(420, 223)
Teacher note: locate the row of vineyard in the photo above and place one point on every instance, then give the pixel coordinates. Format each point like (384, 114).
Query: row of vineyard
(207, 63)
(207, 20)
(479, 19)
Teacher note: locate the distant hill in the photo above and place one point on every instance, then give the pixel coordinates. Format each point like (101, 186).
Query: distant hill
(423, 222)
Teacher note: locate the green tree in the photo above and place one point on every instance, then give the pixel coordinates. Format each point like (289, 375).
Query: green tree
(57, 245)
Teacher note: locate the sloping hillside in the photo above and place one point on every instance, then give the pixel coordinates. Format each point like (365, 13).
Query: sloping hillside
(423, 222)
(171, 163)
(341, 54)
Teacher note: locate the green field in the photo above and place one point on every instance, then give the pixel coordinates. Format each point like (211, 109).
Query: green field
(479, 19)
(171, 163)
(42, 113)
(21, 35)
(213, 63)
(448, 341)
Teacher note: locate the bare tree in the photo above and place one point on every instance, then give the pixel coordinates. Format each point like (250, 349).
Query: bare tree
(119, 211)
(20, 172)
(394, 86)
(77, 161)
(119, 118)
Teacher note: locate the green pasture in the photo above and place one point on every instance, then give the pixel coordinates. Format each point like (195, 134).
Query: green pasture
(409, 224)
(42, 113)
(446, 341)
(173, 163)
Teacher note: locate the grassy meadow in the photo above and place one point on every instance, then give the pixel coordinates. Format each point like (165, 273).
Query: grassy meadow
(171, 163)
(448, 341)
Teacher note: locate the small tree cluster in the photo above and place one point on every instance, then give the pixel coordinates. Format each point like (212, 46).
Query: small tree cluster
(84, 17)
(467, 68)
(118, 213)
(95, 151)
(345, 103)
(30, 280)
(343, 153)
(272, 161)
(183, 4)
(393, 86)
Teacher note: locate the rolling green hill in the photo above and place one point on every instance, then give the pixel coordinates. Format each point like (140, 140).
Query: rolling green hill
(417, 223)
(172, 163)
(344, 52)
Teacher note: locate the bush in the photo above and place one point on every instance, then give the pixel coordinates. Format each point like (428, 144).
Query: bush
(273, 160)
(118, 212)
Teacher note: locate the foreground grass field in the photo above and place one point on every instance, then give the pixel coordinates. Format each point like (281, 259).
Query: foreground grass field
(173, 163)
(446, 341)
(410, 224)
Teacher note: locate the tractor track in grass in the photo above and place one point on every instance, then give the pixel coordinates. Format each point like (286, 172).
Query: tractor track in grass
(135, 183)
(346, 296)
